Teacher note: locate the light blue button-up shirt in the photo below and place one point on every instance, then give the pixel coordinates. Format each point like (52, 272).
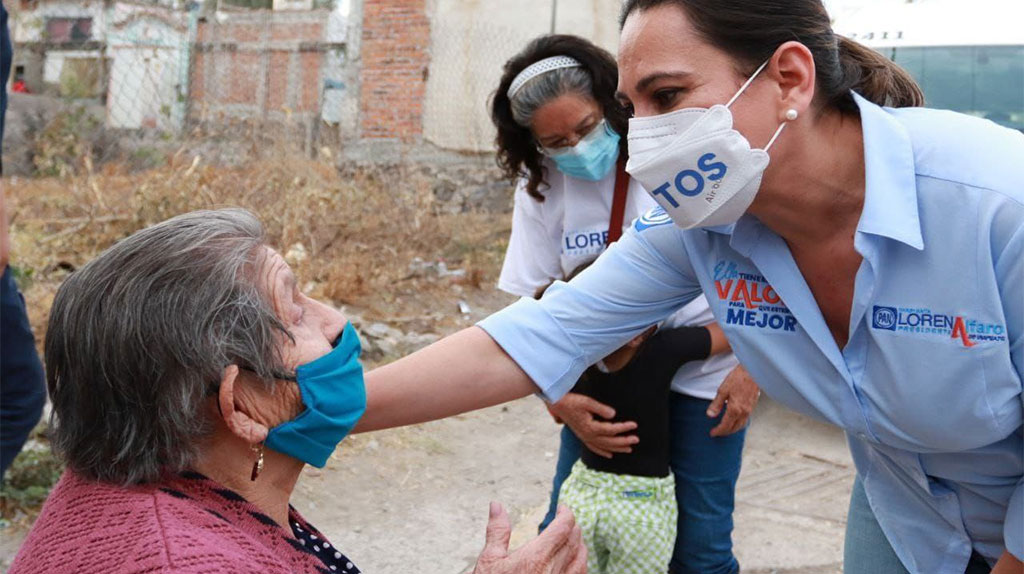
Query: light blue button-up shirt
(928, 387)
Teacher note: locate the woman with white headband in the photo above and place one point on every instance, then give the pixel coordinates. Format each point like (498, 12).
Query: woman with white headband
(871, 275)
(561, 138)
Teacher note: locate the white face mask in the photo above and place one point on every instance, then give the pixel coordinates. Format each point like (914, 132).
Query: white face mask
(695, 165)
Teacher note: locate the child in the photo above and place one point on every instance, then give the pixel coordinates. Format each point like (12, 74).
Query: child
(626, 504)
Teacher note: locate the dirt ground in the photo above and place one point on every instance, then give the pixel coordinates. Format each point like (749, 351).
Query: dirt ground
(415, 500)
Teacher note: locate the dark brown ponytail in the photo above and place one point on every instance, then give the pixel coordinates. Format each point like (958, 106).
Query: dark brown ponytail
(876, 77)
(751, 31)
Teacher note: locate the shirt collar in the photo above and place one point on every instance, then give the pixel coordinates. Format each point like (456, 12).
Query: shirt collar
(743, 234)
(890, 178)
(890, 181)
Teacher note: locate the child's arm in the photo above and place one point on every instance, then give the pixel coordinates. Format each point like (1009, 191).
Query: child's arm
(671, 348)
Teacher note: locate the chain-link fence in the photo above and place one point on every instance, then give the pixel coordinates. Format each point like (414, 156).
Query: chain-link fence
(109, 81)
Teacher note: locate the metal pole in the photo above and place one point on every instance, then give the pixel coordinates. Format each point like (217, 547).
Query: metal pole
(554, 14)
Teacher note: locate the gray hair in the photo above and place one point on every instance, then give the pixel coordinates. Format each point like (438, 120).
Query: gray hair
(139, 337)
(546, 87)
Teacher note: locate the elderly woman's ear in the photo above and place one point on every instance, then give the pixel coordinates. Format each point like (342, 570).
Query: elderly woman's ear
(250, 408)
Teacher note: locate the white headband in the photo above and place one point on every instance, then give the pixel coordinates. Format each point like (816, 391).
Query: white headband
(540, 67)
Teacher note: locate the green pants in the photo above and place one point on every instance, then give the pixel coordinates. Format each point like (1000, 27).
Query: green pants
(628, 522)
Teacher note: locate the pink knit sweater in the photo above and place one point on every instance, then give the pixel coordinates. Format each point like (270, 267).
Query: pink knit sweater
(183, 525)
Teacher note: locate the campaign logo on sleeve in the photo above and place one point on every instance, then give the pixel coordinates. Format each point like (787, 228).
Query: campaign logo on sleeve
(653, 218)
(922, 321)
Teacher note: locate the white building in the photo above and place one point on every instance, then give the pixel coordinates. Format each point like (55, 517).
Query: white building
(148, 54)
(58, 47)
(131, 57)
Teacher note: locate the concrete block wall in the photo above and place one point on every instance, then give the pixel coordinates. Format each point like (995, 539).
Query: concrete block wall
(472, 40)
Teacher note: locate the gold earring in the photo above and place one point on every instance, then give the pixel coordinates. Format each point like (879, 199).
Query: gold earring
(257, 467)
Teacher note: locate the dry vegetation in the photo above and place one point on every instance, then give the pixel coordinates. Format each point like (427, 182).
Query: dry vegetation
(366, 240)
(351, 237)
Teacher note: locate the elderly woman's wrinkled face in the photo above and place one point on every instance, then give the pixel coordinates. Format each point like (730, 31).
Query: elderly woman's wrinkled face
(313, 325)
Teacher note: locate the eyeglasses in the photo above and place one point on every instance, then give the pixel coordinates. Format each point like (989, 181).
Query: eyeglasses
(586, 133)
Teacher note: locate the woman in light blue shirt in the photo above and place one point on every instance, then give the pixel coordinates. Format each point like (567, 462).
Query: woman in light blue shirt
(872, 276)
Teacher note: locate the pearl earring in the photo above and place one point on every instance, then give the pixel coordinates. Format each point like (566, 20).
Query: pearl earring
(791, 114)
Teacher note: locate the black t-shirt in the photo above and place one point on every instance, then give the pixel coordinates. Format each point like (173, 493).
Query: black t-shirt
(640, 392)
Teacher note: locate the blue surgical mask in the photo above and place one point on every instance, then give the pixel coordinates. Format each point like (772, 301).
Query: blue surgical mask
(335, 398)
(592, 158)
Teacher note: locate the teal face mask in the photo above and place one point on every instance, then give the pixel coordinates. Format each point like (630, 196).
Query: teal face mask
(335, 398)
(592, 158)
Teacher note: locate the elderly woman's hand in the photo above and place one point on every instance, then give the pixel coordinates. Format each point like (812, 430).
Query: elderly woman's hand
(557, 550)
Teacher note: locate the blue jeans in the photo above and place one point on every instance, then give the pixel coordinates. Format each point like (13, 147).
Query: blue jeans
(22, 387)
(867, 550)
(705, 470)
(570, 449)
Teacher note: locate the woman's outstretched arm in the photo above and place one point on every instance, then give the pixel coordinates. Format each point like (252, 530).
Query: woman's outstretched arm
(544, 345)
(462, 372)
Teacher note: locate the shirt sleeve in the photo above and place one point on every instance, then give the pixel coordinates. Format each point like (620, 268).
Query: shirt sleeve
(1009, 273)
(532, 258)
(637, 282)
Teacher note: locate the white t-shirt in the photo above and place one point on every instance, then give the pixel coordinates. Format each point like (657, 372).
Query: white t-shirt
(550, 239)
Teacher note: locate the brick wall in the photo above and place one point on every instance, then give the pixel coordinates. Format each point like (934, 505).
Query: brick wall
(395, 56)
(259, 64)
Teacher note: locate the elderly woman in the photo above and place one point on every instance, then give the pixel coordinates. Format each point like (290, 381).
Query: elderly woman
(191, 381)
